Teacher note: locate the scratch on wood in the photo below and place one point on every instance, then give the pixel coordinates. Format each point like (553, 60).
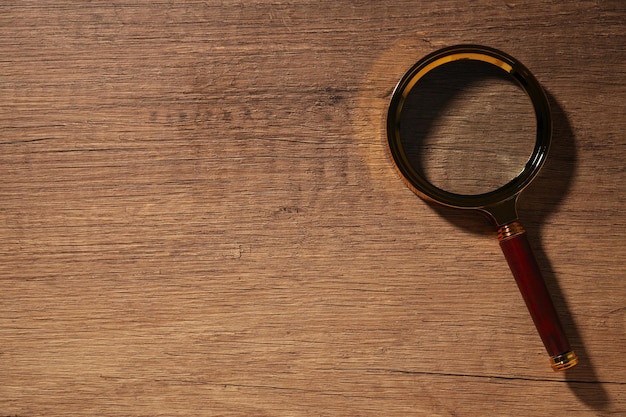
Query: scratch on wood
(498, 377)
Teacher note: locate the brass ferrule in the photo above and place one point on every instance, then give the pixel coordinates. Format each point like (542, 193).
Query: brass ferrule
(564, 361)
(510, 230)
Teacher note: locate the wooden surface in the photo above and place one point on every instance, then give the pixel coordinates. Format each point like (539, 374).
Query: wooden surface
(197, 215)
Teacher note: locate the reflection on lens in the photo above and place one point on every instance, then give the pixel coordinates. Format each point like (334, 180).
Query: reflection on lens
(467, 127)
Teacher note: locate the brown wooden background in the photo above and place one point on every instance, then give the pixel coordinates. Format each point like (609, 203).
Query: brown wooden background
(197, 216)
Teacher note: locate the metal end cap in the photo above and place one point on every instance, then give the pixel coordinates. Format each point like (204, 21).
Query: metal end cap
(564, 361)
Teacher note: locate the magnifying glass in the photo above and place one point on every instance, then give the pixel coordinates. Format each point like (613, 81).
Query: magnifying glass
(442, 167)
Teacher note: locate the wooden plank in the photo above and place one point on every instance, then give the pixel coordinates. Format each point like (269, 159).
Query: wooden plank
(198, 217)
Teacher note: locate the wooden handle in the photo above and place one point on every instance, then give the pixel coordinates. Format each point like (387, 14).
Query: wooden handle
(519, 255)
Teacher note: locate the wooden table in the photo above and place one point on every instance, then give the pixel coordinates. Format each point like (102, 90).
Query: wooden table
(198, 217)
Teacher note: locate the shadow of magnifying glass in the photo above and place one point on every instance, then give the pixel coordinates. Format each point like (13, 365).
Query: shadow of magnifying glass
(542, 199)
(468, 128)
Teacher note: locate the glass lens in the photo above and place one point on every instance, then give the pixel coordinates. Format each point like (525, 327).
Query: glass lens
(467, 127)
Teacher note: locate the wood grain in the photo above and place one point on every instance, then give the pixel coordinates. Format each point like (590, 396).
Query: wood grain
(197, 215)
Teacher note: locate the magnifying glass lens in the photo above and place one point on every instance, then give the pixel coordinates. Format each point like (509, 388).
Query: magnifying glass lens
(467, 127)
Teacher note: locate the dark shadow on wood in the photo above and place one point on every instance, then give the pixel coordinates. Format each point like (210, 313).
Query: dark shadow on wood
(536, 204)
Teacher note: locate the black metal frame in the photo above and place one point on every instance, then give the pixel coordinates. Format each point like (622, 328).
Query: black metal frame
(500, 203)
